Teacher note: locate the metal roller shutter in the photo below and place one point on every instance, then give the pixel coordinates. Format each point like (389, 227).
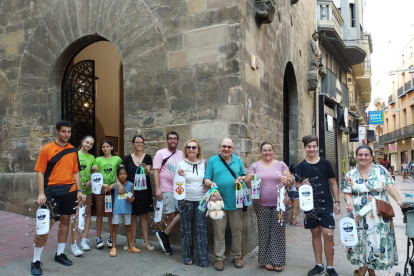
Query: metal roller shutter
(331, 140)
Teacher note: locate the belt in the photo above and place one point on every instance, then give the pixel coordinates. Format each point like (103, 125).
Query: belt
(367, 193)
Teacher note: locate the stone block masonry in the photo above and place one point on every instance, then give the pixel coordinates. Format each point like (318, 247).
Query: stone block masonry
(185, 68)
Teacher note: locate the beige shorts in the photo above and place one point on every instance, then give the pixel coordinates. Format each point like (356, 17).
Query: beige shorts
(170, 204)
(116, 219)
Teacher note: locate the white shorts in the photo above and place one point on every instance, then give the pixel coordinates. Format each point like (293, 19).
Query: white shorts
(170, 204)
(116, 219)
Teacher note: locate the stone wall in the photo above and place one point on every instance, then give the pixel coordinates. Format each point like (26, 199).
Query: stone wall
(186, 68)
(275, 45)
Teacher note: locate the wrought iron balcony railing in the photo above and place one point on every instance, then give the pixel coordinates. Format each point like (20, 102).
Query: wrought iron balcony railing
(345, 95)
(398, 134)
(329, 84)
(400, 92)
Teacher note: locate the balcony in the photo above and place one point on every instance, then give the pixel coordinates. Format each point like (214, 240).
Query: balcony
(345, 95)
(330, 19)
(400, 92)
(331, 26)
(329, 84)
(378, 146)
(398, 134)
(391, 99)
(408, 87)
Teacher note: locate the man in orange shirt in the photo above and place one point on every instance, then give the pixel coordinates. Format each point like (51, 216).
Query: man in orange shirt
(59, 189)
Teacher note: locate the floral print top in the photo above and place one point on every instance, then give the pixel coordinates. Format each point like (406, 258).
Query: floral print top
(376, 237)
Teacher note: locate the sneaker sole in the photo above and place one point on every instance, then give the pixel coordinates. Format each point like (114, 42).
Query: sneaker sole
(322, 272)
(86, 249)
(109, 245)
(161, 243)
(33, 273)
(77, 255)
(64, 264)
(99, 246)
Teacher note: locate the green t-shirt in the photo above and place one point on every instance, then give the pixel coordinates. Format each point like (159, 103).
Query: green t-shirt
(86, 162)
(108, 167)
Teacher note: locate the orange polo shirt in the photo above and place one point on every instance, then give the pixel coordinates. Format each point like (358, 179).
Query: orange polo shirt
(62, 173)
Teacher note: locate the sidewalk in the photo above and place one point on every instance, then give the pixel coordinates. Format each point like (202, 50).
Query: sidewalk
(16, 249)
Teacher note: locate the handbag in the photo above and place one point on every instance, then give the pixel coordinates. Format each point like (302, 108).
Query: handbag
(384, 209)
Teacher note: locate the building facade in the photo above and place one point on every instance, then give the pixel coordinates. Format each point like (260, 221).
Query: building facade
(207, 69)
(345, 87)
(398, 131)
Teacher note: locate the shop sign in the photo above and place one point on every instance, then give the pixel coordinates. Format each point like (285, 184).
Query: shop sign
(375, 117)
(380, 153)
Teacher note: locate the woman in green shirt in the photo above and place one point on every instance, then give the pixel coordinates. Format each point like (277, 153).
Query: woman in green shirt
(87, 162)
(108, 164)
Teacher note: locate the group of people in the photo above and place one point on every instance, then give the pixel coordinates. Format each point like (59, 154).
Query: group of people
(407, 170)
(64, 182)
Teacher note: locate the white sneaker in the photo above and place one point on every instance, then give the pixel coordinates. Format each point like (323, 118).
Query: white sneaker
(84, 244)
(75, 250)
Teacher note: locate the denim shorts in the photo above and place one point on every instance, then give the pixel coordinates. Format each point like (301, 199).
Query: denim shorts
(294, 194)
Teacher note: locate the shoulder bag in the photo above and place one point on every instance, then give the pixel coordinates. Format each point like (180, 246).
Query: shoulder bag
(384, 209)
(234, 176)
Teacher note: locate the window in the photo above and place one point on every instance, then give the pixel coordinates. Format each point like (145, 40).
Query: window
(352, 15)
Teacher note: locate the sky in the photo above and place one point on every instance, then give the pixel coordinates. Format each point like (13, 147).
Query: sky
(391, 24)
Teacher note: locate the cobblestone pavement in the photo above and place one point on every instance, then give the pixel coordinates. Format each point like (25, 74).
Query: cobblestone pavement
(16, 253)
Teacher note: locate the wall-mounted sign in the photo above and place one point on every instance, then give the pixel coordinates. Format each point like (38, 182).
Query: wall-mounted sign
(329, 120)
(375, 117)
(392, 147)
(362, 134)
(380, 153)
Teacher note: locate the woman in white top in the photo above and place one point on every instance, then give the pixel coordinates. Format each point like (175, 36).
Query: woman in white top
(193, 168)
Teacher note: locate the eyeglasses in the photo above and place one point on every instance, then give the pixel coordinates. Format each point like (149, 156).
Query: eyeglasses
(192, 147)
(172, 139)
(138, 143)
(227, 147)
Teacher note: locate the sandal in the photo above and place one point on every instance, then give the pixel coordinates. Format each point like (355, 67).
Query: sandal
(134, 250)
(279, 268)
(269, 267)
(189, 263)
(149, 246)
(113, 252)
(295, 223)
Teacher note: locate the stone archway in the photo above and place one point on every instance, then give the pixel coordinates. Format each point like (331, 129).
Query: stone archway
(290, 116)
(73, 25)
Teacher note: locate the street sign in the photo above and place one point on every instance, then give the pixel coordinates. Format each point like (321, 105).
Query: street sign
(375, 117)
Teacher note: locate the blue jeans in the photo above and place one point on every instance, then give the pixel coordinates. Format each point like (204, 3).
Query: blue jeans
(189, 212)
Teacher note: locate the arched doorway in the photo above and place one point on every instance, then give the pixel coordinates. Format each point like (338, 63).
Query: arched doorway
(92, 95)
(290, 116)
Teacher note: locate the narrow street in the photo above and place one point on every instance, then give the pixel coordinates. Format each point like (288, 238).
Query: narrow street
(16, 253)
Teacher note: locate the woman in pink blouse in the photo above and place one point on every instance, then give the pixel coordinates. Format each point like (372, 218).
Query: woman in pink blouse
(272, 240)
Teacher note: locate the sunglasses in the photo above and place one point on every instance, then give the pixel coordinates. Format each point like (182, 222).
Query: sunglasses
(192, 147)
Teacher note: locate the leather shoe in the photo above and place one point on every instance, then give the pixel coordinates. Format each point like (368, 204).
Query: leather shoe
(238, 262)
(219, 265)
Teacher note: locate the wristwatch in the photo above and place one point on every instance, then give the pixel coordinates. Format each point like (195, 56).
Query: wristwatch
(336, 201)
(79, 191)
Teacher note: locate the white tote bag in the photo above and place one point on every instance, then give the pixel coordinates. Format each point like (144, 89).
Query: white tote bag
(179, 187)
(348, 231)
(306, 197)
(97, 182)
(42, 220)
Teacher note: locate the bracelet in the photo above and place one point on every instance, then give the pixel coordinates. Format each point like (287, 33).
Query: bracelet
(80, 191)
(337, 201)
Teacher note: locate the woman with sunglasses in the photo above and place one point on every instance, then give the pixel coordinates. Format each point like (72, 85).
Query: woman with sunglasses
(193, 169)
